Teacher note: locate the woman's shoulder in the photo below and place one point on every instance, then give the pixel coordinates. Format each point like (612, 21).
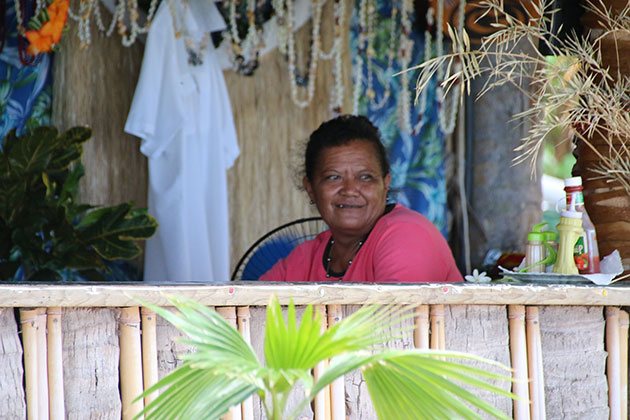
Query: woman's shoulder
(402, 216)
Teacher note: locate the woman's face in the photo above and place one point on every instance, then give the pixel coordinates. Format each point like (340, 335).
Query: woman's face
(349, 188)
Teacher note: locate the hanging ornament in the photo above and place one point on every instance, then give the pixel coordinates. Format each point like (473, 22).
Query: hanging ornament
(448, 103)
(124, 11)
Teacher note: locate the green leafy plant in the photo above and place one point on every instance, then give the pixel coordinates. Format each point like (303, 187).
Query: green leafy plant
(224, 370)
(44, 232)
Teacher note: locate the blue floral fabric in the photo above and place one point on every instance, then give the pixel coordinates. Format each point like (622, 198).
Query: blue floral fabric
(417, 158)
(25, 91)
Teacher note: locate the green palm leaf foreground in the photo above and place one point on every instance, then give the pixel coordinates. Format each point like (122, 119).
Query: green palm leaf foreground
(224, 369)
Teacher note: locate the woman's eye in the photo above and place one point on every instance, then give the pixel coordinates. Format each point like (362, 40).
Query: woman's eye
(366, 177)
(333, 177)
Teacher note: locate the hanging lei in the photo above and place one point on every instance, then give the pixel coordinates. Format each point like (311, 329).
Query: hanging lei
(43, 30)
(367, 13)
(336, 54)
(195, 49)
(123, 9)
(361, 52)
(247, 51)
(448, 104)
(405, 51)
(428, 54)
(309, 79)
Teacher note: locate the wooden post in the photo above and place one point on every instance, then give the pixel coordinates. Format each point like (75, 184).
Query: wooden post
(535, 364)
(130, 361)
(149, 353)
(229, 314)
(624, 323)
(28, 319)
(42, 365)
(438, 336)
(421, 330)
(322, 399)
(613, 364)
(337, 387)
(55, 365)
(243, 319)
(518, 354)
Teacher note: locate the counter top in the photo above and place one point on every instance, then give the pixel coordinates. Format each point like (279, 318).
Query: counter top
(259, 293)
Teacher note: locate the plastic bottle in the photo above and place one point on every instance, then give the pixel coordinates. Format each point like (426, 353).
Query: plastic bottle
(569, 230)
(551, 248)
(586, 252)
(535, 250)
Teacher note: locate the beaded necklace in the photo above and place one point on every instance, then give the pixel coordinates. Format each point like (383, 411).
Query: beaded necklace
(246, 51)
(328, 264)
(125, 10)
(448, 102)
(195, 49)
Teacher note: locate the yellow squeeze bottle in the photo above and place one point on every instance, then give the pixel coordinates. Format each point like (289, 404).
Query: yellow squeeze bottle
(569, 230)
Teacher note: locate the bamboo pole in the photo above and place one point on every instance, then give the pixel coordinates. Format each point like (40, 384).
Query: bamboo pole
(438, 336)
(321, 409)
(535, 364)
(130, 361)
(229, 314)
(337, 387)
(28, 320)
(421, 330)
(42, 365)
(244, 321)
(613, 364)
(624, 323)
(149, 352)
(56, 402)
(518, 355)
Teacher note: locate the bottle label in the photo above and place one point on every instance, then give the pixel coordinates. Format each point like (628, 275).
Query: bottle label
(576, 198)
(580, 253)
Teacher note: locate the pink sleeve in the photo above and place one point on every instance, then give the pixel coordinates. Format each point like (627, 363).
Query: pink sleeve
(276, 273)
(411, 253)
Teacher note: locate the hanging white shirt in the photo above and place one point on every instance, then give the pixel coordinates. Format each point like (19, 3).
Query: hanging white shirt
(183, 115)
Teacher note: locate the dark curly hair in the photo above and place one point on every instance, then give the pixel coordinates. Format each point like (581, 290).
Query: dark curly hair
(340, 131)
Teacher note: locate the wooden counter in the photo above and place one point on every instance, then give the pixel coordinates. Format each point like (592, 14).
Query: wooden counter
(85, 351)
(255, 293)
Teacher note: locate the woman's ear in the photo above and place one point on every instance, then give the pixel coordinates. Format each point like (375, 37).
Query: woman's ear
(309, 188)
(387, 180)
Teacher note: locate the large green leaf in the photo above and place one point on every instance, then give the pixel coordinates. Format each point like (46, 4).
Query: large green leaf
(425, 383)
(32, 153)
(215, 377)
(49, 230)
(111, 230)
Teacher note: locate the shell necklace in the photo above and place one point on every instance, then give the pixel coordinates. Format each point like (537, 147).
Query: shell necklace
(329, 272)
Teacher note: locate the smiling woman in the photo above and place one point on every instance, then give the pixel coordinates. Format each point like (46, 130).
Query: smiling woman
(346, 175)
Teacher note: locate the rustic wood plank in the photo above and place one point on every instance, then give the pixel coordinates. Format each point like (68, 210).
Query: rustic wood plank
(248, 293)
(481, 330)
(90, 363)
(12, 398)
(574, 362)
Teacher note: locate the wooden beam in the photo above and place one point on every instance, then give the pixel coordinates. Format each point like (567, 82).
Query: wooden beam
(246, 293)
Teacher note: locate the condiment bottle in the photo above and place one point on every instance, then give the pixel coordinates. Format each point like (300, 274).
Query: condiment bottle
(586, 252)
(535, 250)
(551, 248)
(569, 230)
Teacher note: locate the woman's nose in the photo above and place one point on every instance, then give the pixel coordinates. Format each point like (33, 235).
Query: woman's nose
(349, 186)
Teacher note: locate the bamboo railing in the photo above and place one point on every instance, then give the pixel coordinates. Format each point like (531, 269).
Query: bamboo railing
(41, 330)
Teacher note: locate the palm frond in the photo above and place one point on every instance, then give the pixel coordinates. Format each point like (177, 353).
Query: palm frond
(437, 380)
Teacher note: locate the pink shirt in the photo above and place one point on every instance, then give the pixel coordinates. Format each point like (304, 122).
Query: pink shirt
(403, 247)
